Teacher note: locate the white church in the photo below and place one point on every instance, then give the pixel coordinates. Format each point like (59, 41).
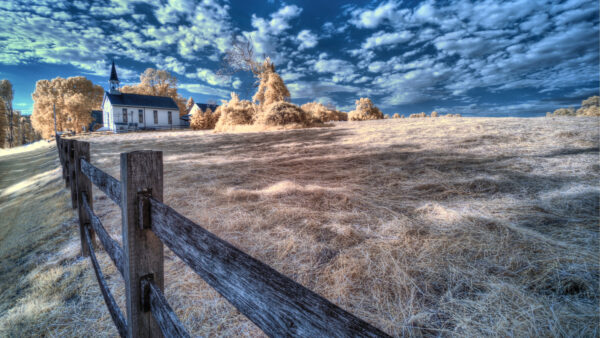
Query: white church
(123, 112)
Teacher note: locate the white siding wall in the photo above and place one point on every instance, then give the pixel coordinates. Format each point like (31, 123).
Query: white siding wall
(116, 115)
(106, 112)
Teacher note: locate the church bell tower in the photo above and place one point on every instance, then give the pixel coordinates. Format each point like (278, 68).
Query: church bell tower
(114, 80)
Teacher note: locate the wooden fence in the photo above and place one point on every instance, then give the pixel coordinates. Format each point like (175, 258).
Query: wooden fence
(275, 303)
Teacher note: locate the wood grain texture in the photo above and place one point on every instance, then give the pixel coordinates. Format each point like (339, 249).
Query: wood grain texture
(274, 302)
(140, 171)
(84, 192)
(59, 144)
(72, 178)
(110, 245)
(106, 183)
(65, 161)
(162, 311)
(113, 308)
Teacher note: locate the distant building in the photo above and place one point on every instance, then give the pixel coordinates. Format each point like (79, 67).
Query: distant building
(196, 108)
(124, 112)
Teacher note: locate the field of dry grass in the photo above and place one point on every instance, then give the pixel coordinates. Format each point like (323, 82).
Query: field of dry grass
(467, 227)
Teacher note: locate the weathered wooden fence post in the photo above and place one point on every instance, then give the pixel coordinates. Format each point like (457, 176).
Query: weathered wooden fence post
(65, 153)
(84, 186)
(72, 178)
(60, 154)
(141, 175)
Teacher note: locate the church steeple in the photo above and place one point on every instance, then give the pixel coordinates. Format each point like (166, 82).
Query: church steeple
(114, 80)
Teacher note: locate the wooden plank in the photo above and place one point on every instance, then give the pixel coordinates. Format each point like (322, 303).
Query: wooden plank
(66, 159)
(274, 302)
(108, 184)
(110, 245)
(111, 304)
(60, 155)
(84, 192)
(72, 177)
(140, 171)
(162, 312)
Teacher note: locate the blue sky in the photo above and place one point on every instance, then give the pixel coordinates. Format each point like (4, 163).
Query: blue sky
(483, 58)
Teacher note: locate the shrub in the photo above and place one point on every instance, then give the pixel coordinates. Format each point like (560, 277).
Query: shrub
(234, 113)
(413, 116)
(564, 112)
(204, 120)
(283, 113)
(365, 110)
(215, 117)
(396, 116)
(320, 113)
(434, 114)
(198, 120)
(589, 107)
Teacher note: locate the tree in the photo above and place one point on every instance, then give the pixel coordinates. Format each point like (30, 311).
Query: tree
(75, 98)
(158, 83)
(27, 134)
(3, 124)
(189, 105)
(198, 120)
(564, 112)
(7, 95)
(271, 88)
(365, 110)
(322, 113)
(590, 107)
(240, 57)
(234, 112)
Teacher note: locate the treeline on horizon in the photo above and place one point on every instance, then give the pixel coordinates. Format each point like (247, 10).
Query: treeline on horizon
(589, 107)
(15, 129)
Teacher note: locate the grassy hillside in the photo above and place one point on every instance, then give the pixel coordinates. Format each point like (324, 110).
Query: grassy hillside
(464, 226)
(45, 288)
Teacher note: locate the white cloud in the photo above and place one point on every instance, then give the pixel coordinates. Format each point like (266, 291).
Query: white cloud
(172, 64)
(237, 83)
(210, 77)
(387, 11)
(426, 12)
(205, 90)
(382, 38)
(342, 70)
(280, 19)
(306, 39)
(266, 33)
(312, 89)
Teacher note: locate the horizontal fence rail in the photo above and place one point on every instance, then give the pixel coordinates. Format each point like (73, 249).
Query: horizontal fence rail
(155, 301)
(108, 184)
(111, 246)
(275, 303)
(111, 304)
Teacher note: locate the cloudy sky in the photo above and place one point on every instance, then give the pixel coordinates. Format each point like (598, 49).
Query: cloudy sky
(485, 58)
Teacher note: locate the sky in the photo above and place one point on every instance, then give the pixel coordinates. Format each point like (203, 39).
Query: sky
(477, 58)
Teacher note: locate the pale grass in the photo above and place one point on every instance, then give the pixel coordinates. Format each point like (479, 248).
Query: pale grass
(422, 227)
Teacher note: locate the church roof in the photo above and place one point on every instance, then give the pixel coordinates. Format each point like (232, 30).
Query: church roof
(113, 73)
(203, 106)
(137, 100)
